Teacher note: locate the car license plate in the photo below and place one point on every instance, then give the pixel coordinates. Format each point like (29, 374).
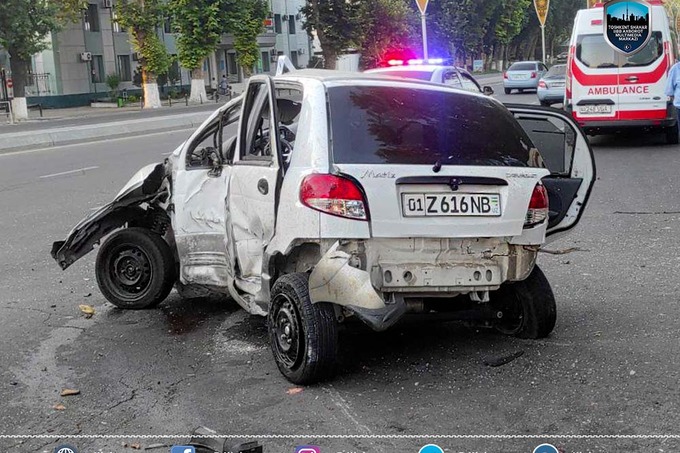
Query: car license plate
(557, 85)
(519, 76)
(448, 204)
(604, 108)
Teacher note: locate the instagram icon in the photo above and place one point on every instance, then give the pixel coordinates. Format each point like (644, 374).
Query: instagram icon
(307, 449)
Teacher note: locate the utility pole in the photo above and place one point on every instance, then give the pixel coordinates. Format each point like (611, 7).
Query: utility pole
(422, 6)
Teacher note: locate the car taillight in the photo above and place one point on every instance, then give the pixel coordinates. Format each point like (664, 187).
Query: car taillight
(505, 75)
(533, 75)
(334, 195)
(538, 207)
(542, 84)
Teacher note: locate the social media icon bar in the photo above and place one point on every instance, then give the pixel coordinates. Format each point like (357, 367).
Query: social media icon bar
(182, 449)
(431, 448)
(546, 448)
(307, 449)
(65, 449)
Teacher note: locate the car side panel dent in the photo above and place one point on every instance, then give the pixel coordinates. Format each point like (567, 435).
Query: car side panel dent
(335, 280)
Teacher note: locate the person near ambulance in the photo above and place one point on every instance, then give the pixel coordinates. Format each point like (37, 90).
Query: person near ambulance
(673, 86)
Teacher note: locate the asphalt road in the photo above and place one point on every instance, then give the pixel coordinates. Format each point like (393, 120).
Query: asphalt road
(611, 367)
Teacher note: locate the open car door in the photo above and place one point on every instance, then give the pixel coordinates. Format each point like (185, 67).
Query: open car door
(567, 154)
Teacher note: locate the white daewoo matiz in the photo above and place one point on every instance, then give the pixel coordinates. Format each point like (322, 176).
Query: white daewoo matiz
(320, 196)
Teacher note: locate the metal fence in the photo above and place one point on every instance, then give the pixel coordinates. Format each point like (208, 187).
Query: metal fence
(38, 84)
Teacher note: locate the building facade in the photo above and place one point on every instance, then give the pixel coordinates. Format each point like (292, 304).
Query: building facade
(74, 69)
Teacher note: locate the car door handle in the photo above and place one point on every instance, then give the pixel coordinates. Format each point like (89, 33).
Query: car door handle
(263, 186)
(632, 79)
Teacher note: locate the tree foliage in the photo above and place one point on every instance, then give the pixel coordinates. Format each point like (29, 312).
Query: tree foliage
(385, 25)
(24, 26)
(336, 23)
(200, 25)
(245, 21)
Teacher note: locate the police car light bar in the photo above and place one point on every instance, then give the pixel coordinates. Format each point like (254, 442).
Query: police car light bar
(415, 62)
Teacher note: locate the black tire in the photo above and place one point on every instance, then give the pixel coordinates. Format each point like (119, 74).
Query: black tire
(135, 269)
(303, 336)
(508, 90)
(520, 90)
(672, 137)
(528, 307)
(545, 103)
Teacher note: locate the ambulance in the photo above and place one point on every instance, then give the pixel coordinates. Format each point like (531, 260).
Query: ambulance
(608, 91)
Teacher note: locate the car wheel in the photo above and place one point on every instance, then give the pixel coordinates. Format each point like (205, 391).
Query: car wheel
(528, 307)
(672, 135)
(135, 269)
(508, 91)
(520, 91)
(303, 336)
(545, 103)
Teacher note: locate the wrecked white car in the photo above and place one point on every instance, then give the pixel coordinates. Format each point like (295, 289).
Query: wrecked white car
(318, 196)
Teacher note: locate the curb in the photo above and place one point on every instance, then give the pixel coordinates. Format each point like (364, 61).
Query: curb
(21, 141)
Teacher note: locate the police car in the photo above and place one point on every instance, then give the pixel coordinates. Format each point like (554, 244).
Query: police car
(432, 70)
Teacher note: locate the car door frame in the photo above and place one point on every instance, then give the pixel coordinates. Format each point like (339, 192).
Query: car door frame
(251, 297)
(203, 257)
(560, 229)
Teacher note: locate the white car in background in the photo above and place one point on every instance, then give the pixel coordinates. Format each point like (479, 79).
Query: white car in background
(318, 197)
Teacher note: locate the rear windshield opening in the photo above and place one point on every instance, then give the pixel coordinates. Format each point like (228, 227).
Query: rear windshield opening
(522, 67)
(557, 70)
(399, 125)
(594, 52)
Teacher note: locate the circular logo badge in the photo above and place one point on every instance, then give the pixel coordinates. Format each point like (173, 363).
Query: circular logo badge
(546, 448)
(65, 449)
(431, 448)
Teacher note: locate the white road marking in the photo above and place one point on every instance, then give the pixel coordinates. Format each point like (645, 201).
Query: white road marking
(79, 170)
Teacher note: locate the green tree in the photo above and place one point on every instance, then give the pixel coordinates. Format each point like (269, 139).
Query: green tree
(142, 18)
(245, 20)
(336, 24)
(200, 25)
(24, 26)
(385, 25)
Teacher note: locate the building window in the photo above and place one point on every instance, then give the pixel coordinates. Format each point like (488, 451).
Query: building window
(291, 25)
(167, 25)
(97, 69)
(294, 58)
(117, 28)
(265, 62)
(124, 68)
(91, 18)
(277, 23)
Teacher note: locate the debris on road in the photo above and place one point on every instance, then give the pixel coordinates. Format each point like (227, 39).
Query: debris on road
(88, 295)
(87, 310)
(59, 407)
(13, 383)
(294, 390)
(155, 446)
(502, 360)
(136, 446)
(70, 392)
(563, 251)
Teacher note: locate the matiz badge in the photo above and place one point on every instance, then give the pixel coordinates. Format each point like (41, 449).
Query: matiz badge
(627, 25)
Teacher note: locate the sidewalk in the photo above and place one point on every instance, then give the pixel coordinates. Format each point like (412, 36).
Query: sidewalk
(86, 124)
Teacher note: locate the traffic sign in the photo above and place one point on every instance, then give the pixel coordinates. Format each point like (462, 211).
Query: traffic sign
(542, 10)
(422, 5)
(10, 84)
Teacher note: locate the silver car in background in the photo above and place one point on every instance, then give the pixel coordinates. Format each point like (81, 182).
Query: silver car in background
(552, 86)
(523, 75)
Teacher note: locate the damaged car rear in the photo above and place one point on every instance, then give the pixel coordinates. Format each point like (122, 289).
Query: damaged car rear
(318, 197)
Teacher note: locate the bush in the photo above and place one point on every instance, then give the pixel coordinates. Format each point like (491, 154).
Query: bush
(132, 99)
(113, 82)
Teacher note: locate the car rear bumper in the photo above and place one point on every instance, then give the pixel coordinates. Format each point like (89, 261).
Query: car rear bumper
(368, 276)
(593, 127)
(525, 83)
(554, 95)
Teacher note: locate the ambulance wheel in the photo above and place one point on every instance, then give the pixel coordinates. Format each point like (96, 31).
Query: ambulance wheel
(672, 137)
(303, 336)
(135, 269)
(508, 91)
(545, 103)
(528, 307)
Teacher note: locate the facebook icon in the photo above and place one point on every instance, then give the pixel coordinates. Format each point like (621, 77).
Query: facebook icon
(182, 449)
